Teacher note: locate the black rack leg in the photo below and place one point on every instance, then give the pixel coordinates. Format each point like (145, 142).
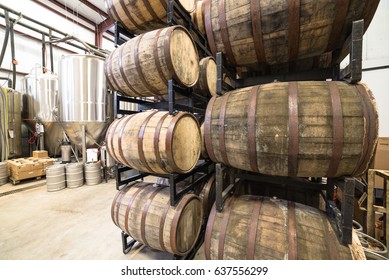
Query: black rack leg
(127, 245)
(347, 209)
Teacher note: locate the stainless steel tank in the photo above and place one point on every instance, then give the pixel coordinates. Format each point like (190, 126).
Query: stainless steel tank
(14, 123)
(41, 104)
(84, 98)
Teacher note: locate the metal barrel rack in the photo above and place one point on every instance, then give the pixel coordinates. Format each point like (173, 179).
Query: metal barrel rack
(189, 101)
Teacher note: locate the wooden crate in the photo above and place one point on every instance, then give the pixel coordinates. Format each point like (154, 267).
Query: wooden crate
(40, 154)
(25, 168)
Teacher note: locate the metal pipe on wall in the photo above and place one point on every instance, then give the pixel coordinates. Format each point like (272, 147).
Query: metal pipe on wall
(6, 16)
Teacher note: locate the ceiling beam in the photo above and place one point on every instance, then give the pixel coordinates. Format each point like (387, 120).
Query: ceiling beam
(94, 8)
(105, 25)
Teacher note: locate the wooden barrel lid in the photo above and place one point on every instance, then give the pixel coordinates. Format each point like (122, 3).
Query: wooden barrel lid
(188, 5)
(183, 57)
(184, 142)
(210, 65)
(186, 224)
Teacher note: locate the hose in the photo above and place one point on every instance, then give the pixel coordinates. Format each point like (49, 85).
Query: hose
(86, 45)
(5, 37)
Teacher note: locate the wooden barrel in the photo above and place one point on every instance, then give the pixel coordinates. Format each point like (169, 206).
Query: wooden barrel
(203, 153)
(143, 211)
(259, 33)
(155, 142)
(198, 16)
(206, 84)
(143, 65)
(207, 194)
(304, 129)
(255, 227)
(144, 15)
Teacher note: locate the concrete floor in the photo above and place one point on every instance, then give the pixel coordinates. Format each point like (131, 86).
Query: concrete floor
(70, 224)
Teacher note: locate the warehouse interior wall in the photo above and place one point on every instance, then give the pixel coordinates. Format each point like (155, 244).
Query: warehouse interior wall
(29, 51)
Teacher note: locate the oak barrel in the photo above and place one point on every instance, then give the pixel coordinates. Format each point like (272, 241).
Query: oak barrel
(143, 15)
(198, 16)
(256, 227)
(143, 211)
(206, 84)
(207, 194)
(304, 129)
(203, 154)
(143, 65)
(155, 142)
(262, 33)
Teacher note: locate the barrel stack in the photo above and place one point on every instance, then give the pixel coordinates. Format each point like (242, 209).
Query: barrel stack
(294, 129)
(156, 142)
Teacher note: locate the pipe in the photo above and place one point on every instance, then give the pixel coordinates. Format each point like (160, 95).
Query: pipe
(51, 52)
(6, 16)
(88, 46)
(47, 34)
(83, 143)
(43, 54)
(14, 61)
(7, 79)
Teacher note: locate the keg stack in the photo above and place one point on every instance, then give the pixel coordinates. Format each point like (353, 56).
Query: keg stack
(159, 70)
(277, 117)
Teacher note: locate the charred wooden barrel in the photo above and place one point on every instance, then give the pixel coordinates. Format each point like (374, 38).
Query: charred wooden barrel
(155, 142)
(303, 129)
(143, 15)
(143, 211)
(255, 227)
(143, 65)
(206, 84)
(207, 194)
(259, 33)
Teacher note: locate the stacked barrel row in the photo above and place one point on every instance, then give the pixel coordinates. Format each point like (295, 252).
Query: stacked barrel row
(303, 129)
(154, 141)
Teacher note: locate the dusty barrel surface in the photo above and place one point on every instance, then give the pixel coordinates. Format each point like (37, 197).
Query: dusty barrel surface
(155, 142)
(74, 175)
(303, 129)
(143, 15)
(267, 33)
(151, 59)
(93, 173)
(206, 84)
(143, 211)
(55, 177)
(3, 173)
(255, 227)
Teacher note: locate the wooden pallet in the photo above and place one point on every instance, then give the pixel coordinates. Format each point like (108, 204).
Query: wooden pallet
(15, 181)
(26, 168)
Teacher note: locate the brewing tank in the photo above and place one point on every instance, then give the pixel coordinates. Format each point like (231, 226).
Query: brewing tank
(84, 98)
(41, 103)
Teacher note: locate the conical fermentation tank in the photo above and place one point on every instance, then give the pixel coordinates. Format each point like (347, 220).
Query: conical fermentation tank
(84, 98)
(40, 104)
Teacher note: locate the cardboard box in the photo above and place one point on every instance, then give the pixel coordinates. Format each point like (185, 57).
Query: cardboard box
(40, 154)
(381, 159)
